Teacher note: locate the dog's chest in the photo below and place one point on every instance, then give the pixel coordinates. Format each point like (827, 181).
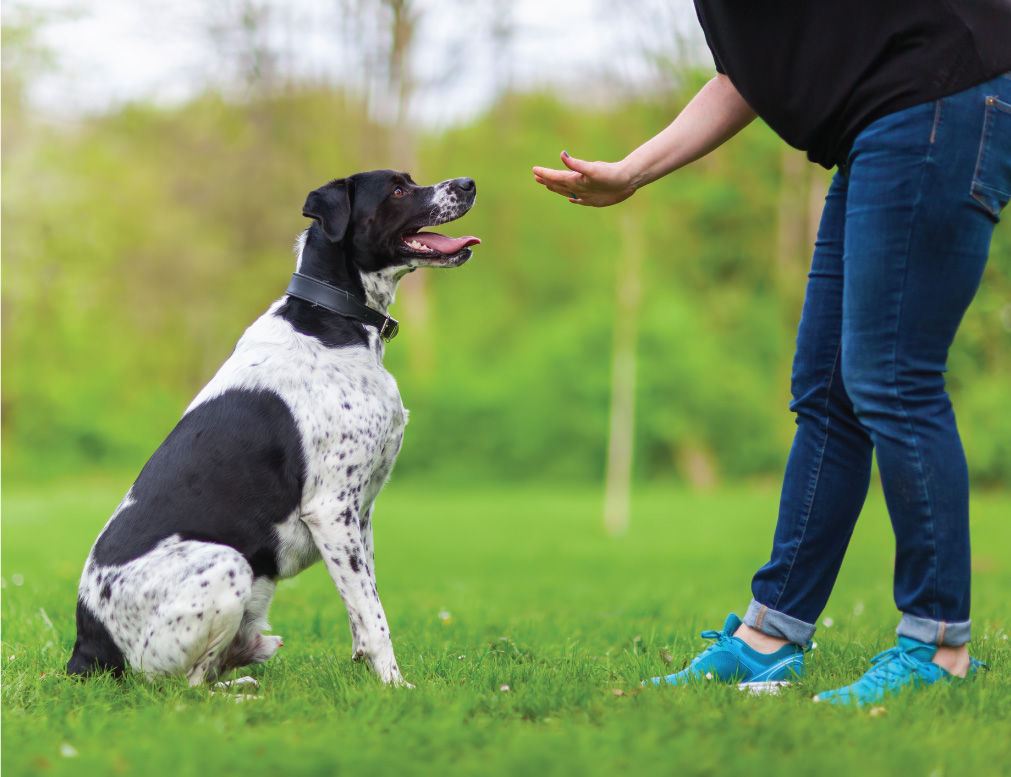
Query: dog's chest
(352, 428)
(348, 412)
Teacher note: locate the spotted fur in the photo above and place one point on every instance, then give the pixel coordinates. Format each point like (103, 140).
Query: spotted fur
(275, 465)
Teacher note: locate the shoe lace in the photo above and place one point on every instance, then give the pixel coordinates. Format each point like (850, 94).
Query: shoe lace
(894, 664)
(721, 638)
(711, 634)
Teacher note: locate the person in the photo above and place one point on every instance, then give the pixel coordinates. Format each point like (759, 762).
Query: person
(910, 101)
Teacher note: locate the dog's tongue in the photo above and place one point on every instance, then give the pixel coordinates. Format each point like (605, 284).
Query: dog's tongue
(443, 244)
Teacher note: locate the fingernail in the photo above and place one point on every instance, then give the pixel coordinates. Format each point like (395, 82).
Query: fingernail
(565, 153)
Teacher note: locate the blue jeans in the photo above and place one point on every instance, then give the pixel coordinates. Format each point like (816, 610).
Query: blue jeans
(901, 248)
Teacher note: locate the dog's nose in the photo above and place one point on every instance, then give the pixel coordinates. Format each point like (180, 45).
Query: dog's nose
(466, 184)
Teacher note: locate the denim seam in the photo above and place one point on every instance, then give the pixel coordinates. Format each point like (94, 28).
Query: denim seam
(813, 484)
(974, 186)
(992, 103)
(925, 494)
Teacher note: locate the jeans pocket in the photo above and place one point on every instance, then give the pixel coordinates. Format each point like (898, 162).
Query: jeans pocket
(991, 182)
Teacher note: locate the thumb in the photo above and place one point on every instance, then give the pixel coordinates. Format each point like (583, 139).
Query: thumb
(578, 165)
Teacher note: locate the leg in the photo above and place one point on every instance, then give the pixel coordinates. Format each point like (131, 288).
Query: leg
(368, 554)
(828, 470)
(202, 617)
(176, 609)
(823, 491)
(337, 532)
(367, 543)
(251, 645)
(917, 243)
(927, 186)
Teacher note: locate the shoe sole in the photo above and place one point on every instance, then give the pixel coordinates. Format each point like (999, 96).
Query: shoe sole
(771, 687)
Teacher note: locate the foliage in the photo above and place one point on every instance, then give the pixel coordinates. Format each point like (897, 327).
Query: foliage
(516, 587)
(137, 246)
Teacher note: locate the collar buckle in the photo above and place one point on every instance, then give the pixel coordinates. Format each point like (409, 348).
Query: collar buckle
(389, 329)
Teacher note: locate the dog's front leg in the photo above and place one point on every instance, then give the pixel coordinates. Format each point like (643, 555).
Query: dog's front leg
(338, 537)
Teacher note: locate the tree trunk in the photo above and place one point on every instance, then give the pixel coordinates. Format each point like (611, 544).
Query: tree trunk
(621, 437)
(413, 292)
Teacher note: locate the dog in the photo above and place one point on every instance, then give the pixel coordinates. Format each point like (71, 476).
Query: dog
(277, 462)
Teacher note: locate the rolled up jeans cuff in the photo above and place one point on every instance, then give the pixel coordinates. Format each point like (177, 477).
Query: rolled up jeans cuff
(778, 624)
(952, 634)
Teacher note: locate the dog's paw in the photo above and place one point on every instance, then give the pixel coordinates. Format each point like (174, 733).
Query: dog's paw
(238, 684)
(388, 671)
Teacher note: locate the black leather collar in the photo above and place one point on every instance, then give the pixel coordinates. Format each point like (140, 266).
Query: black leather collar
(341, 302)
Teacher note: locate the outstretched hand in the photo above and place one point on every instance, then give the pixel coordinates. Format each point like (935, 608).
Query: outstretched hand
(597, 184)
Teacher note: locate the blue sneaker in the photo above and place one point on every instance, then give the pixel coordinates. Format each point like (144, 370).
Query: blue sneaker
(730, 660)
(907, 665)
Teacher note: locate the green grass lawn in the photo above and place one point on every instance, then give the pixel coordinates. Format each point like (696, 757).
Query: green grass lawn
(526, 631)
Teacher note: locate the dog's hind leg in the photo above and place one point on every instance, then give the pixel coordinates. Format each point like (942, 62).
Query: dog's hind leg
(251, 645)
(200, 593)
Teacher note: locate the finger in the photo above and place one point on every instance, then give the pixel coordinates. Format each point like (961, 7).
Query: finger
(552, 185)
(558, 176)
(565, 191)
(562, 189)
(580, 166)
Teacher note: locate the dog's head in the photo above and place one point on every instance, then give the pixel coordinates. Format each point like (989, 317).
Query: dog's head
(377, 219)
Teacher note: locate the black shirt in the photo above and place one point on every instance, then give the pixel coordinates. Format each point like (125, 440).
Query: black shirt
(819, 71)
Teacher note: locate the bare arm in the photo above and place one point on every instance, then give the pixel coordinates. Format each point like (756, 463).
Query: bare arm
(714, 115)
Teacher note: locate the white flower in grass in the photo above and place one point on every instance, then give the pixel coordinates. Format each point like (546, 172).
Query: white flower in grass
(504, 688)
(67, 750)
(445, 616)
(18, 579)
(828, 622)
(858, 608)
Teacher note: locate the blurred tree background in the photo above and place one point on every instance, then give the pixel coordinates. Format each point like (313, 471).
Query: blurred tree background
(139, 242)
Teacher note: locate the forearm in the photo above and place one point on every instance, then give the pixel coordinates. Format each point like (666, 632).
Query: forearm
(713, 116)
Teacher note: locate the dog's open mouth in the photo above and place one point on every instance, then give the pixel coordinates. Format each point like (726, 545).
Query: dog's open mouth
(433, 246)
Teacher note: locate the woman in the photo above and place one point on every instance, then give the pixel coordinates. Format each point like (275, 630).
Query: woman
(911, 101)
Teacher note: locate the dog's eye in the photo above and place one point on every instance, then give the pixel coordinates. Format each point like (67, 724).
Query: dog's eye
(398, 192)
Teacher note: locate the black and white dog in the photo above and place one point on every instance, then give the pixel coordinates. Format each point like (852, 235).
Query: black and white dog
(279, 459)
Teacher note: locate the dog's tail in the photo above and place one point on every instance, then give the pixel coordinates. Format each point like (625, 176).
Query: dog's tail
(94, 650)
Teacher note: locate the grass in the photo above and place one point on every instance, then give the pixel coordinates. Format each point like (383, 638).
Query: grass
(488, 589)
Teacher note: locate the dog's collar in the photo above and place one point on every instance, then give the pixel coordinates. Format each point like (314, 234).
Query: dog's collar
(341, 302)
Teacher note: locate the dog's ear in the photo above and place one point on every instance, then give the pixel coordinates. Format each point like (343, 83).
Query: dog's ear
(330, 205)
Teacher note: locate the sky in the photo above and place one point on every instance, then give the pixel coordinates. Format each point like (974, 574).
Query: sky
(108, 52)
